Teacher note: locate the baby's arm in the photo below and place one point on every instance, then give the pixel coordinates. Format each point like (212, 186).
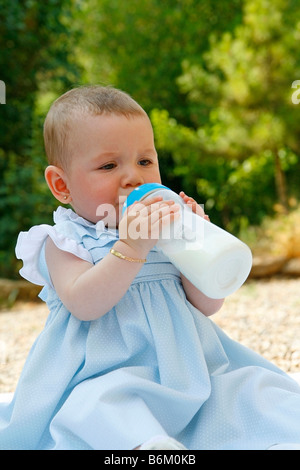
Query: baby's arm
(205, 304)
(89, 291)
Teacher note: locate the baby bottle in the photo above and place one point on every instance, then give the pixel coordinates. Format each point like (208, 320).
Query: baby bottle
(215, 261)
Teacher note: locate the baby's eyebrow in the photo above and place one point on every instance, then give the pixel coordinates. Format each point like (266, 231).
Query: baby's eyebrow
(150, 151)
(104, 155)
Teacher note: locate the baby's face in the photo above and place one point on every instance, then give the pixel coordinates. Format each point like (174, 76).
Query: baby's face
(111, 155)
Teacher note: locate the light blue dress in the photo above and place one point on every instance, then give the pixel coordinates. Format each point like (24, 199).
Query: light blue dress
(152, 365)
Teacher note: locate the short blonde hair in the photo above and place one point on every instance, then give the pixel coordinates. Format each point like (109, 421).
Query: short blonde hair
(93, 100)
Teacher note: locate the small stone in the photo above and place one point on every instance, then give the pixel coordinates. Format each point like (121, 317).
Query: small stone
(265, 266)
(291, 267)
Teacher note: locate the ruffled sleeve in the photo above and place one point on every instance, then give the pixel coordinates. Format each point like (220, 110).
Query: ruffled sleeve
(31, 244)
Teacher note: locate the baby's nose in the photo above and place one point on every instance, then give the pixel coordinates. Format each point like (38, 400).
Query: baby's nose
(132, 178)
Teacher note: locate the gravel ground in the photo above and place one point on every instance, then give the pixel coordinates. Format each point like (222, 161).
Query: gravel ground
(263, 315)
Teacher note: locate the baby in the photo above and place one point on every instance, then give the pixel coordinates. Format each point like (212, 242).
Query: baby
(102, 154)
(128, 358)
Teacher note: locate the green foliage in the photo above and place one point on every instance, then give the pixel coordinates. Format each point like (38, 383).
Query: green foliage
(139, 45)
(245, 121)
(214, 76)
(228, 188)
(24, 201)
(277, 235)
(35, 48)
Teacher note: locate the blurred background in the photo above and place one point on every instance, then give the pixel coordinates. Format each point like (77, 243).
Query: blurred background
(215, 77)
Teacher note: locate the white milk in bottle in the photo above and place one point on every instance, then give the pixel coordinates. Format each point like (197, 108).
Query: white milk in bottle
(215, 261)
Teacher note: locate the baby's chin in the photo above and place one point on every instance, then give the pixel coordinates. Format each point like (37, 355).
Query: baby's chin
(109, 214)
(112, 226)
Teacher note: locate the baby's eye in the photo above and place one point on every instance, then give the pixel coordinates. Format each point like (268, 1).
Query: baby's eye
(145, 162)
(107, 166)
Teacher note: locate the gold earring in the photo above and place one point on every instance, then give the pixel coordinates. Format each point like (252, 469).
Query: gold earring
(65, 198)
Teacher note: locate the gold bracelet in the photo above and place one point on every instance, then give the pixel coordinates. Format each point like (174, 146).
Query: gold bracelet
(127, 258)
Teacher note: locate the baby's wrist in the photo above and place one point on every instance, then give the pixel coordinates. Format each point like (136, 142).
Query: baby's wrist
(128, 250)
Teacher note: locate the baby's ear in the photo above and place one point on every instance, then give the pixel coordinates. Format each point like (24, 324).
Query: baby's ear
(57, 182)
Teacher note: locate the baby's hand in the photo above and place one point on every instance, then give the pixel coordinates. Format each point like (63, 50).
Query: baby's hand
(194, 205)
(142, 222)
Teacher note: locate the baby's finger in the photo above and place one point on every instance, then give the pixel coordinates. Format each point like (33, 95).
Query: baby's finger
(161, 218)
(158, 210)
(187, 199)
(152, 200)
(144, 203)
(140, 209)
(197, 208)
(146, 207)
(164, 212)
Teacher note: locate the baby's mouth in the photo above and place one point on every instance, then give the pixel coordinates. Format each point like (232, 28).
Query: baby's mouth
(119, 206)
(122, 199)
